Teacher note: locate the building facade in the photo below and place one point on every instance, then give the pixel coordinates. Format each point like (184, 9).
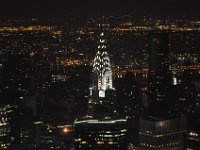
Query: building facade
(101, 134)
(162, 134)
(158, 46)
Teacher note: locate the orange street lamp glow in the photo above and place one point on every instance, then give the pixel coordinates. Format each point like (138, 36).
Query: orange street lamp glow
(65, 130)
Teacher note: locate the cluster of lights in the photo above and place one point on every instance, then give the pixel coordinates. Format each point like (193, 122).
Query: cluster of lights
(102, 68)
(160, 146)
(4, 127)
(193, 134)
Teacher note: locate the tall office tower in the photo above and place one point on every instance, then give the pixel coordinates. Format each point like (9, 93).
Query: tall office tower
(159, 130)
(101, 98)
(5, 131)
(158, 67)
(101, 129)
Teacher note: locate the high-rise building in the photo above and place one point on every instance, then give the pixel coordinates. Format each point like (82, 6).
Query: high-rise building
(158, 130)
(101, 129)
(5, 130)
(101, 98)
(158, 44)
(159, 133)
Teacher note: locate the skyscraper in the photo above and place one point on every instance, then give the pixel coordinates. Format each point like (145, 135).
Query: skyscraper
(158, 130)
(158, 44)
(101, 98)
(101, 129)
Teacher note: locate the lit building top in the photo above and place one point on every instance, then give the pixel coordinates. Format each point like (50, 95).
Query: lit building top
(102, 69)
(97, 121)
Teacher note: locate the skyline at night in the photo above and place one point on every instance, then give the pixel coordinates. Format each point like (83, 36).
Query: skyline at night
(99, 75)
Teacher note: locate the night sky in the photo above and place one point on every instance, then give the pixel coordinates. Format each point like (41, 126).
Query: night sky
(86, 8)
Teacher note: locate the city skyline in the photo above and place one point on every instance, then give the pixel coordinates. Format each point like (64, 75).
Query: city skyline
(99, 75)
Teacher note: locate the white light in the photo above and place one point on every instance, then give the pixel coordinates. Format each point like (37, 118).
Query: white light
(102, 69)
(174, 81)
(93, 121)
(101, 93)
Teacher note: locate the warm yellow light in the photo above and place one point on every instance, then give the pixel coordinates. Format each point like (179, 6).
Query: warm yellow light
(65, 130)
(38, 122)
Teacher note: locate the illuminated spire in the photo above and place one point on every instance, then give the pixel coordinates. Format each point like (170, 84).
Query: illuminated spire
(102, 68)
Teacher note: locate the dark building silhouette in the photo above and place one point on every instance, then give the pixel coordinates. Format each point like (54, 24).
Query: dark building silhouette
(157, 130)
(158, 44)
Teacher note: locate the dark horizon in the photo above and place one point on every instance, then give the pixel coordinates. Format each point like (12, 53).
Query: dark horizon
(21, 9)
